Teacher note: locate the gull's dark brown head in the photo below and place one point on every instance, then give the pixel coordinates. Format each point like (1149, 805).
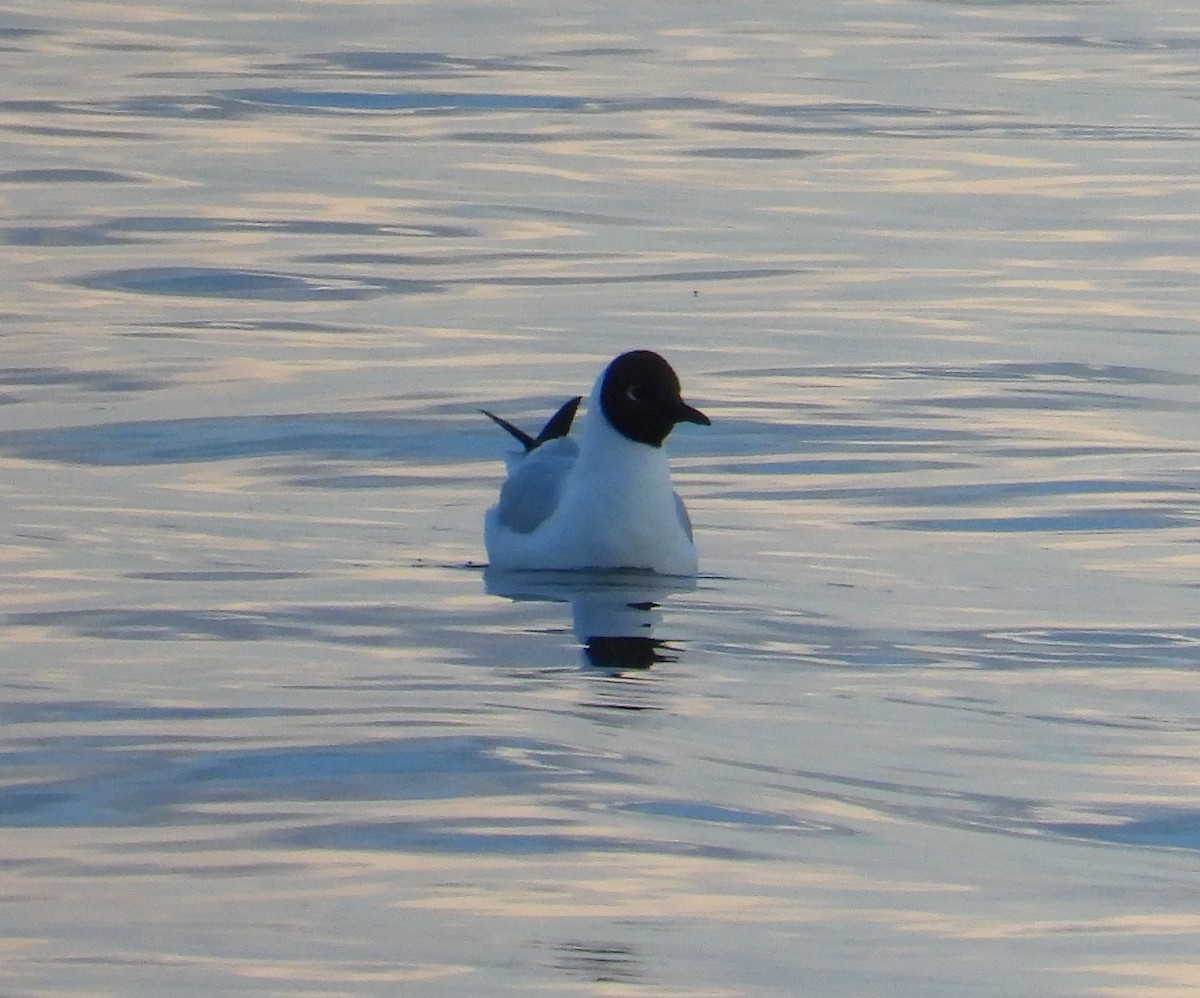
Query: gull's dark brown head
(640, 397)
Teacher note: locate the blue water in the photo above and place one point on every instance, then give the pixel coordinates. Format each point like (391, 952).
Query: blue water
(928, 722)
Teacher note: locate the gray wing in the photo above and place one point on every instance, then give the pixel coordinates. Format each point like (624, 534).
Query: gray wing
(684, 520)
(534, 486)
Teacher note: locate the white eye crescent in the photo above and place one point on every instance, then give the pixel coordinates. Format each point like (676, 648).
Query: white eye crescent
(636, 393)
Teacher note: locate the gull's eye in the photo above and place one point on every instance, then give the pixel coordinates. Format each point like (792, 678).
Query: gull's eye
(638, 393)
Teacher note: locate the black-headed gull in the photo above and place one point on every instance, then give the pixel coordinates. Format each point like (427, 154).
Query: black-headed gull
(601, 499)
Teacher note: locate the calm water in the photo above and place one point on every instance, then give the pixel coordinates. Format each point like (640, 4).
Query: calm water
(928, 723)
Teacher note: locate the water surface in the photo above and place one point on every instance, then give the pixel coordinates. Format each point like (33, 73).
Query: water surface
(927, 722)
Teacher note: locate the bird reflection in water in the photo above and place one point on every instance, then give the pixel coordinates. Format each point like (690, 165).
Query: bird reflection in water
(614, 613)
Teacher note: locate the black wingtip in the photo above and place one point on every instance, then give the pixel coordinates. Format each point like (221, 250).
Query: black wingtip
(559, 425)
(526, 440)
